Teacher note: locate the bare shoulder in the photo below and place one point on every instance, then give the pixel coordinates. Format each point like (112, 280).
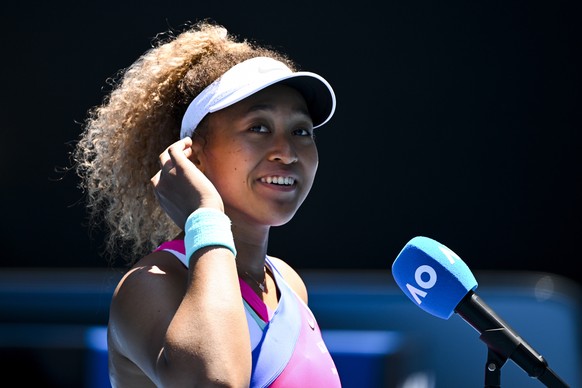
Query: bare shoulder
(291, 277)
(143, 304)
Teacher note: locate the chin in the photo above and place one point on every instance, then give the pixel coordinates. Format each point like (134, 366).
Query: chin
(283, 220)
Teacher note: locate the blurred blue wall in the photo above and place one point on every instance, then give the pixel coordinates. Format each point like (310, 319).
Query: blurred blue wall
(53, 323)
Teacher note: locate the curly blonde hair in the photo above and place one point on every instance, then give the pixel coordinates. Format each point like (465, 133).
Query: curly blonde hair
(117, 153)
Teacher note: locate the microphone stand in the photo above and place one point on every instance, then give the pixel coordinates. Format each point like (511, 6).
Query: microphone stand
(502, 343)
(493, 369)
(495, 358)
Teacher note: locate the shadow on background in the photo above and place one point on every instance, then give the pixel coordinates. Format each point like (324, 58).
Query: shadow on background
(53, 324)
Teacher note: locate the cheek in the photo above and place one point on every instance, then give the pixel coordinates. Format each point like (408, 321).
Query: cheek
(310, 172)
(312, 161)
(224, 169)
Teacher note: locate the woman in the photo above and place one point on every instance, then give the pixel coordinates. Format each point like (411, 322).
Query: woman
(205, 144)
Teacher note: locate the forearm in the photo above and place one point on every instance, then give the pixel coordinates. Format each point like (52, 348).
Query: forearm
(207, 341)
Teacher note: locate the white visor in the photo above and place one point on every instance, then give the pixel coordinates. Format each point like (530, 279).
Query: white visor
(252, 75)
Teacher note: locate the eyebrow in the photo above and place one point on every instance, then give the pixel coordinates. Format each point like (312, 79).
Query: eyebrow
(269, 106)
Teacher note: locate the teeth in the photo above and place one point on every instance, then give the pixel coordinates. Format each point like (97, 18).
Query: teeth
(278, 180)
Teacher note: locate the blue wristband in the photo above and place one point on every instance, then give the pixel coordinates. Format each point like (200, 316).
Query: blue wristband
(206, 227)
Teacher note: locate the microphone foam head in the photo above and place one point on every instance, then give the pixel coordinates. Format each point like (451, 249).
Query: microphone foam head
(432, 276)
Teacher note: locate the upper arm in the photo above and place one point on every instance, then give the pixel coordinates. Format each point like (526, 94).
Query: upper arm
(142, 307)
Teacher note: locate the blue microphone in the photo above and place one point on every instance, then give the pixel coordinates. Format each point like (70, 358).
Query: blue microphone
(438, 281)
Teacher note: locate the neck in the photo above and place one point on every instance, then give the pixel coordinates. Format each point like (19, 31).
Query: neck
(250, 255)
(259, 281)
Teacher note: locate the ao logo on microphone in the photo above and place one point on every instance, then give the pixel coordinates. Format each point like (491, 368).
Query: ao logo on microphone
(432, 276)
(426, 277)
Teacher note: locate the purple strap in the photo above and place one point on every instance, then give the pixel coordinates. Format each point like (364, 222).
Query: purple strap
(277, 344)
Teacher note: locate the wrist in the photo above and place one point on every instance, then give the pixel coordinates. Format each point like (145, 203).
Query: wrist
(205, 227)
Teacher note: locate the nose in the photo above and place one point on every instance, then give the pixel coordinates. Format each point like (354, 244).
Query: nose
(283, 151)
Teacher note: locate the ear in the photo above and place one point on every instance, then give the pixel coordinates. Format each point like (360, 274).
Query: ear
(197, 156)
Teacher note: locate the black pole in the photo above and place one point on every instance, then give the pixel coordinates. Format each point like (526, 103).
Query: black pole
(504, 342)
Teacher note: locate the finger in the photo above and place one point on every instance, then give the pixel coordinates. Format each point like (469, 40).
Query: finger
(180, 152)
(156, 178)
(187, 142)
(176, 150)
(184, 143)
(164, 159)
(166, 163)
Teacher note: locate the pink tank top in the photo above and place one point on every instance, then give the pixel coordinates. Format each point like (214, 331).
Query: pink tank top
(287, 347)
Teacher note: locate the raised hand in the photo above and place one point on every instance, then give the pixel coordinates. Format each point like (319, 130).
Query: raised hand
(180, 186)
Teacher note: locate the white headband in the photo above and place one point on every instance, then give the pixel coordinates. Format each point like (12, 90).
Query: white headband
(252, 75)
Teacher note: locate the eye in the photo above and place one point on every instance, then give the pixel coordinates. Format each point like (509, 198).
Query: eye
(302, 132)
(259, 128)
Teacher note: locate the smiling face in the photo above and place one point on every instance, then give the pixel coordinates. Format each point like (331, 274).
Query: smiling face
(260, 154)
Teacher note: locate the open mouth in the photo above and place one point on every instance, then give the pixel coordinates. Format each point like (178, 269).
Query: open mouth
(278, 180)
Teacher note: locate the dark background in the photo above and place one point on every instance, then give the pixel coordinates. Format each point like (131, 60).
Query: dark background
(458, 121)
